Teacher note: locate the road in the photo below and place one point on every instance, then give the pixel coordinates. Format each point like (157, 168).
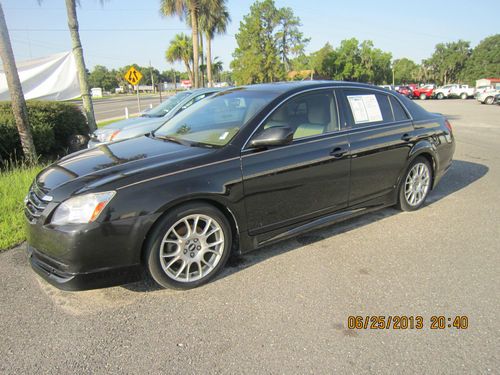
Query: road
(284, 309)
(111, 108)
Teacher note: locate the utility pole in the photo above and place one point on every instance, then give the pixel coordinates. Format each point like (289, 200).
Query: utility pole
(152, 79)
(16, 91)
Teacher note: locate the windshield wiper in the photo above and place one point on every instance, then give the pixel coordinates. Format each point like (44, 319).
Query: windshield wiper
(168, 138)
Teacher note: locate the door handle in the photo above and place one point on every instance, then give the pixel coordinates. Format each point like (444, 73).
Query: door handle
(338, 152)
(407, 137)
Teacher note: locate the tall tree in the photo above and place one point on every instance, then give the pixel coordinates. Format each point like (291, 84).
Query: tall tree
(405, 71)
(484, 61)
(267, 37)
(181, 49)
(290, 39)
(16, 91)
(448, 60)
(80, 64)
(213, 20)
(323, 62)
(183, 9)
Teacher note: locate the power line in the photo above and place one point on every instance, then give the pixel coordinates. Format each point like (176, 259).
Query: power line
(124, 29)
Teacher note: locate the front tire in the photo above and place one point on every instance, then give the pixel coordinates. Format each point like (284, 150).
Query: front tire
(489, 100)
(423, 96)
(463, 96)
(415, 185)
(189, 246)
(440, 96)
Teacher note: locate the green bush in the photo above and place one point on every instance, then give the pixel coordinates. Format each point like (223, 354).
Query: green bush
(52, 125)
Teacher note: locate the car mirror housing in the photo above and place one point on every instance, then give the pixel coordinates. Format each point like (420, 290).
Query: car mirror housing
(275, 136)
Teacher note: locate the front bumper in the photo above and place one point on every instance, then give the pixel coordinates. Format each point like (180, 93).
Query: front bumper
(90, 256)
(52, 271)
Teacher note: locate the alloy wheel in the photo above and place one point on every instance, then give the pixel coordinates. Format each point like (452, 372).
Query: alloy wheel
(417, 184)
(192, 248)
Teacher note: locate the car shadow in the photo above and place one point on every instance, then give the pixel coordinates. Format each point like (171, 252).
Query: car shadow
(461, 175)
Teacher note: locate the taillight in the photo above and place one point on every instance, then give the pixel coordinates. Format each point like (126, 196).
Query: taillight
(448, 126)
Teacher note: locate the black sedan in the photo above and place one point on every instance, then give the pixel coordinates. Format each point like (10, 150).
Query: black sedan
(240, 170)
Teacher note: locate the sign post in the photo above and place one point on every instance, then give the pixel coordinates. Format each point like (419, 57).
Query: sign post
(133, 76)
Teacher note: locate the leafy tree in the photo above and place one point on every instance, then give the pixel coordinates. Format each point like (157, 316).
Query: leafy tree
(323, 62)
(405, 71)
(448, 60)
(100, 76)
(213, 20)
(181, 49)
(484, 61)
(267, 40)
(290, 40)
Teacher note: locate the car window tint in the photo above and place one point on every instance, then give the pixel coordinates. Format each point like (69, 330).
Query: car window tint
(308, 115)
(398, 110)
(368, 108)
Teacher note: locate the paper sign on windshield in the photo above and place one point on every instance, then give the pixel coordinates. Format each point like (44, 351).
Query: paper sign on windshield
(364, 108)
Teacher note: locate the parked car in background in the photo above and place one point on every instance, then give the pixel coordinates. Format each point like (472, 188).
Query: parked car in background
(240, 170)
(424, 92)
(150, 120)
(497, 99)
(387, 87)
(406, 91)
(447, 91)
(481, 89)
(488, 96)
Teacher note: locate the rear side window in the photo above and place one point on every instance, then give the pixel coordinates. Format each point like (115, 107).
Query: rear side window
(398, 110)
(368, 108)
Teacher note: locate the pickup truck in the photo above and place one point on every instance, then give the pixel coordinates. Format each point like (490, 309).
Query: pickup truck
(462, 91)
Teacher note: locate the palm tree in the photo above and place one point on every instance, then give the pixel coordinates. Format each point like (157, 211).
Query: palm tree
(217, 67)
(88, 108)
(184, 9)
(181, 49)
(16, 91)
(213, 19)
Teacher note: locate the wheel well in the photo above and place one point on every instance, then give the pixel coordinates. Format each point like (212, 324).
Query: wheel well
(225, 211)
(432, 162)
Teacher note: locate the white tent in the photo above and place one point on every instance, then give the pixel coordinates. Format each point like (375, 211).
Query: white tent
(52, 77)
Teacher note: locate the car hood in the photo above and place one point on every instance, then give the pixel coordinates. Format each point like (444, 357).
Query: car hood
(133, 123)
(94, 167)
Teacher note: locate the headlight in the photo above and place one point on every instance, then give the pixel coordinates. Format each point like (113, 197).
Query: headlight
(82, 209)
(107, 135)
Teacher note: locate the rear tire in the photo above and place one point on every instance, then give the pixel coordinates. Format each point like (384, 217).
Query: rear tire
(415, 185)
(423, 96)
(189, 246)
(440, 96)
(489, 100)
(463, 96)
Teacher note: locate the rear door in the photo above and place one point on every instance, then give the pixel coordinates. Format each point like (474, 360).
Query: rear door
(380, 132)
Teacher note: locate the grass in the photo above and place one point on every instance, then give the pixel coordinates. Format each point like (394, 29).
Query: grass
(100, 124)
(14, 184)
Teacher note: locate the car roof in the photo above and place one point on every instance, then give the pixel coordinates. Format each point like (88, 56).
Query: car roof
(283, 87)
(205, 90)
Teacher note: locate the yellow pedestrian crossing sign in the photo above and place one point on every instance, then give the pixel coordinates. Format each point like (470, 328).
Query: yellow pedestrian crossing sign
(133, 76)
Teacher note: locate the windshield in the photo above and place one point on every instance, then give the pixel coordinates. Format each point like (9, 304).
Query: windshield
(216, 120)
(165, 107)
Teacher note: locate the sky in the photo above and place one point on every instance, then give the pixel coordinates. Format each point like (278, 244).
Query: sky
(122, 32)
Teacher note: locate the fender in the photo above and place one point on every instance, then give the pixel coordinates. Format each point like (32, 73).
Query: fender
(422, 147)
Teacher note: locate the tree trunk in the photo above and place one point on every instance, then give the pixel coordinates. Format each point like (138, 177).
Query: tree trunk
(209, 61)
(202, 78)
(189, 71)
(196, 46)
(80, 64)
(15, 91)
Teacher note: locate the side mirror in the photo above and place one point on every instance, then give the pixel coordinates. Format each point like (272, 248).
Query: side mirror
(276, 136)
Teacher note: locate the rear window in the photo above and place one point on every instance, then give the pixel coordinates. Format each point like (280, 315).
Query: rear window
(368, 108)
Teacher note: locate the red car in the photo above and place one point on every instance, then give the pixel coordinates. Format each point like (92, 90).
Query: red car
(406, 91)
(423, 92)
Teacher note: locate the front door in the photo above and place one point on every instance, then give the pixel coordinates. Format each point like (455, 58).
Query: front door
(290, 184)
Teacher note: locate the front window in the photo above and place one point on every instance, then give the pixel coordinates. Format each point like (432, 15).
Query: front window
(165, 107)
(215, 120)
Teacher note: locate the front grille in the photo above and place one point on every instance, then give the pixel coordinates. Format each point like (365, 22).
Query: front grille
(34, 203)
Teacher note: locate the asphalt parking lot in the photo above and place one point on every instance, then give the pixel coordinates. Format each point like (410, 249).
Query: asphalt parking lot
(285, 308)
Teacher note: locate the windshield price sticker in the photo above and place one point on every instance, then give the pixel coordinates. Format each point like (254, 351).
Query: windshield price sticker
(364, 108)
